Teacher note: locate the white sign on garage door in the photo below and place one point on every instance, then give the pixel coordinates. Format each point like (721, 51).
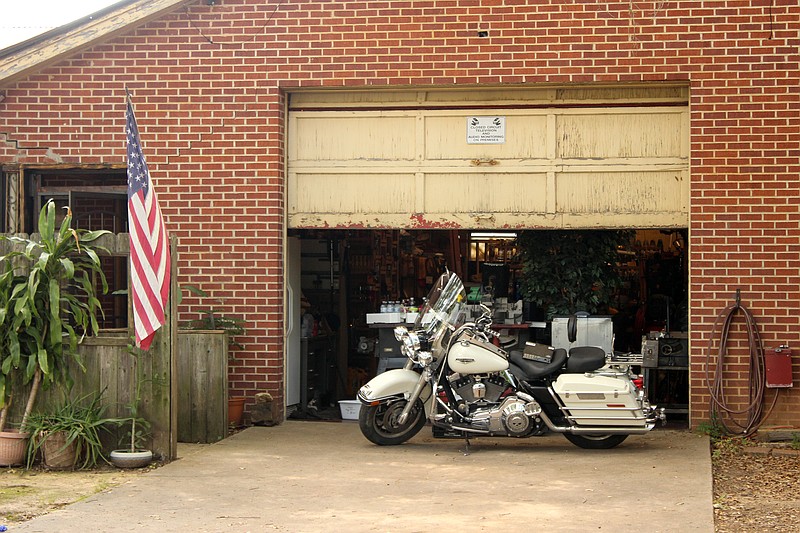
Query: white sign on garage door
(486, 130)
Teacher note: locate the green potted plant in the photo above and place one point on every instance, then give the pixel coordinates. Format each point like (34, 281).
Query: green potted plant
(567, 271)
(50, 304)
(213, 319)
(134, 455)
(68, 435)
(12, 441)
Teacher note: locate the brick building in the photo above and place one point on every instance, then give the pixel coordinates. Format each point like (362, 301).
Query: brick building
(237, 101)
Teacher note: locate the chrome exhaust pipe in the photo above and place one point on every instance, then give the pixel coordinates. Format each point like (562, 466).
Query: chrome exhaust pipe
(597, 430)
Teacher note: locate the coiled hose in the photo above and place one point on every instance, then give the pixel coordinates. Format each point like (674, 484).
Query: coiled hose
(720, 410)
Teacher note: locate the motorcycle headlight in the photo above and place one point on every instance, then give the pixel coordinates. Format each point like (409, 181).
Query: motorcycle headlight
(400, 333)
(411, 342)
(424, 358)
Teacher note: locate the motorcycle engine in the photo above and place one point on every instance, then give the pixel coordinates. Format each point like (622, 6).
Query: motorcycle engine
(485, 388)
(480, 395)
(514, 416)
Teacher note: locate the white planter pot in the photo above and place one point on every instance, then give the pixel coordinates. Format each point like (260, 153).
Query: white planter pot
(128, 459)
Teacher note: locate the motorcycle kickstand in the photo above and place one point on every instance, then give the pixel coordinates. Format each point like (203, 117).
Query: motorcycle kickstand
(466, 447)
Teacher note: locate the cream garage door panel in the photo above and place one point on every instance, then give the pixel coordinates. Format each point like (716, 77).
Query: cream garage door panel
(584, 166)
(353, 193)
(445, 138)
(348, 137)
(483, 193)
(619, 192)
(622, 134)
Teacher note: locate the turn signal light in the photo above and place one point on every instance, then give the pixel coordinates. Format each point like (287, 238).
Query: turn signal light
(639, 382)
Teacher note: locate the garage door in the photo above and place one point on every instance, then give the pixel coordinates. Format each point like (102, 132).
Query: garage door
(529, 158)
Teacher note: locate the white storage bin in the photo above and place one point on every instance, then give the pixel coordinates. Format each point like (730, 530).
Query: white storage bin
(350, 409)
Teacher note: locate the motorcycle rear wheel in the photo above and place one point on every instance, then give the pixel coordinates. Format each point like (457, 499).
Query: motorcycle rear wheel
(595, 442)
(379, 424)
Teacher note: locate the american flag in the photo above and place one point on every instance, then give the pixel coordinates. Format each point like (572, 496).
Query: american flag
(149, 242)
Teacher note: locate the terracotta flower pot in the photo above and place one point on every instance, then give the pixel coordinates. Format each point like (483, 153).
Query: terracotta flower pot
(235, 411)
(12, 447)
(56, 453)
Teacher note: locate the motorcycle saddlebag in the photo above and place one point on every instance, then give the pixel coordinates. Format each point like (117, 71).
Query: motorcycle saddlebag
(595, 400)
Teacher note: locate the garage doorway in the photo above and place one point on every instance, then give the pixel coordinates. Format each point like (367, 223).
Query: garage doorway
(384, 187)
(348, 277)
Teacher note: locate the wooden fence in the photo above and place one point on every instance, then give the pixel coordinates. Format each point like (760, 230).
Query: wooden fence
(202, 372)
(184, 375)
(110, 368)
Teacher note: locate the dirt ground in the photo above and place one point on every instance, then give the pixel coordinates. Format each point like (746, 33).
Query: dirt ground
(755, 488)
(26, 494)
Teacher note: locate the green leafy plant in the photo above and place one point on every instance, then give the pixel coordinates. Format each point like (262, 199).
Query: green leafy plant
(725, 446)
(713, 428)
(795, 442)
(213, 319)
(566, 271)
(50, 304)
(80, 420)
(10, 374)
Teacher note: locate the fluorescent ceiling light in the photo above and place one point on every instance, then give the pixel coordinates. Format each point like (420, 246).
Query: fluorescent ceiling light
(482, 236)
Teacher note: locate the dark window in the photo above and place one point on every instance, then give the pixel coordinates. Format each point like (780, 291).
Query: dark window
(98, 200)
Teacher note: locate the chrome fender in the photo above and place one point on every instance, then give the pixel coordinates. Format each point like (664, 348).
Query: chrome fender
(391, 384)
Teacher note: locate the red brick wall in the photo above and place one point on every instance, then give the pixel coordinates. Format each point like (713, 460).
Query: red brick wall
(210, 109)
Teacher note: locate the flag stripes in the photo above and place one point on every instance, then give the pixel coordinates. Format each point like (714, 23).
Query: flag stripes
(150, 261)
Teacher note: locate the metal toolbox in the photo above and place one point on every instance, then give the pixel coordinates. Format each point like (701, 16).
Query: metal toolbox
(591, 331)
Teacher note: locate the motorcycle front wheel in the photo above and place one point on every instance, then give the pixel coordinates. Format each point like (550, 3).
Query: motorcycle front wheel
(379, 424)
(595, 442)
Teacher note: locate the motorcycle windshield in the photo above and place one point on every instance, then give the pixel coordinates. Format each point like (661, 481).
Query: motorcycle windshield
(444, 306)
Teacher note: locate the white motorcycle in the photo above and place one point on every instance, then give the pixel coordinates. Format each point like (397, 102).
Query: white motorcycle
(465, 385)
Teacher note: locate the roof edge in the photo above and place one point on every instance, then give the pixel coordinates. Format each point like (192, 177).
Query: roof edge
(27, 57)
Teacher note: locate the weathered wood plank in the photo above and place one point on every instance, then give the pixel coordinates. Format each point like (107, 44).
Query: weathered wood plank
(202, 361)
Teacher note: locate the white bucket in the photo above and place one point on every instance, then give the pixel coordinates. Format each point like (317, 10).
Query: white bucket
(350, 409)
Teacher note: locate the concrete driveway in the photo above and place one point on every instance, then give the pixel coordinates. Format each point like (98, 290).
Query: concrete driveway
(324, 476)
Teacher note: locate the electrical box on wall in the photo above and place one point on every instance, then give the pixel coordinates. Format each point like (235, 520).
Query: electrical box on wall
(779, 367)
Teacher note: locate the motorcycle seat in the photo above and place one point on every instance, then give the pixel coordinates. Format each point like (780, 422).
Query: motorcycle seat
(534, 369)
(585, 359)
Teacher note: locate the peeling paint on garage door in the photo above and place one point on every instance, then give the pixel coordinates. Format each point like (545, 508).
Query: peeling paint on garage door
(558, 158)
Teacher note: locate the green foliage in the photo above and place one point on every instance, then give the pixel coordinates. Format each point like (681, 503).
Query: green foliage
(722, 443)
(566, 271)
(795, 443)
(726, 446)
(10, 357)
(47, 311)
(81, 420)
(713, 428)
(213, 319)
